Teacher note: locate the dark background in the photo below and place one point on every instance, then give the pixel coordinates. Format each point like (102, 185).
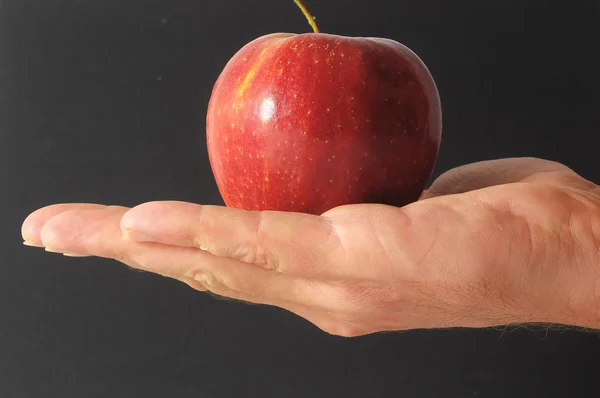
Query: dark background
(104, 101)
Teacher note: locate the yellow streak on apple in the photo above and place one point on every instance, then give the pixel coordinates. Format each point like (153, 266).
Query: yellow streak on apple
(251, 73)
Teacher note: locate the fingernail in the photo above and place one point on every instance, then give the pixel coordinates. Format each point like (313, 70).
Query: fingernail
(75, 255)
(32, 244)
(68, 254)
(136, 236)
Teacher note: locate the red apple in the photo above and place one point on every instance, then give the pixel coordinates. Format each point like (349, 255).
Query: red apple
(308, 122)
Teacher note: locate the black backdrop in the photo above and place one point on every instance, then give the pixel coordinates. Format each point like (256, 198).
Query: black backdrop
(105, 100)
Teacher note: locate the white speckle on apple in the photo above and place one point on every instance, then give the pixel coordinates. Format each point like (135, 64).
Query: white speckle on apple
(267, 109)
(232, 125)
(328, 110)
(327, 141)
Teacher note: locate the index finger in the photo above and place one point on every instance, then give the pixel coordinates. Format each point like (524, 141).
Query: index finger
(293, 243)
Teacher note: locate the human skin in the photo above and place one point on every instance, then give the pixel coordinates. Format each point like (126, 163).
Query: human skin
(510, 241)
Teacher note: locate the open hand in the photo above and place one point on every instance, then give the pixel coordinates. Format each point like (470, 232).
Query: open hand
(491, 243)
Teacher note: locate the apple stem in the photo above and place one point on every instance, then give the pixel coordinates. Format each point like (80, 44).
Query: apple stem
(308, 15)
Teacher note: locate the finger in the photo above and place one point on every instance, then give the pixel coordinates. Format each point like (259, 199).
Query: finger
(92, 231)
(490, 173)
(32, 225)
(286, 242)
(97, 233)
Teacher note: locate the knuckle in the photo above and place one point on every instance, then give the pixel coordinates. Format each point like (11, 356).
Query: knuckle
(199, 242)
(194, 284)
(210, 283)
(254, 254)
(227, 285)
(206, 282)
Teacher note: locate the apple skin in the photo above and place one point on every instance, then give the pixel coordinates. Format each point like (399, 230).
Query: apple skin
(309, 122)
